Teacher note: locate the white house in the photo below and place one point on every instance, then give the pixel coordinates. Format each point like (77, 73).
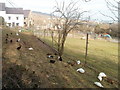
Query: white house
(12, 16)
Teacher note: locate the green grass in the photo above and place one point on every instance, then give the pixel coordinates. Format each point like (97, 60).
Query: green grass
(102, 55)
(61, 74)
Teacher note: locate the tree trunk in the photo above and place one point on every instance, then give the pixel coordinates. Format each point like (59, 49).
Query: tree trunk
(44, 33)
(52, 37)
(62, 43)
(58, 41)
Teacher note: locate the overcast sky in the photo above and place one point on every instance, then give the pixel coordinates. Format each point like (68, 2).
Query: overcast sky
(46, 6)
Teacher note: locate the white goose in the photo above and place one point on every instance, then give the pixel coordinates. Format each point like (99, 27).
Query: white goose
(81, 70)
(78, 62)
(98, 84)
(30, 49)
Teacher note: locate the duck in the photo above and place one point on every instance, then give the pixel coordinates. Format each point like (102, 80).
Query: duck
(17, 34)
(98, 84)
(18, 48)
(30, 49)
(18, 40)
(78, 62)
(81, 70)
(52, 61)
(59, 58)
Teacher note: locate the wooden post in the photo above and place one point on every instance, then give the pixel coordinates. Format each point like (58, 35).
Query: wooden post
(86, 48)
(52, 38)
(44, 33)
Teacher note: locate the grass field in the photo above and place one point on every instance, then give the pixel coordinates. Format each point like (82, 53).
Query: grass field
(102, 55)
(31, 69)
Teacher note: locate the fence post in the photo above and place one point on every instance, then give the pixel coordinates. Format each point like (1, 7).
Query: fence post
(86, 48)
(52, 38)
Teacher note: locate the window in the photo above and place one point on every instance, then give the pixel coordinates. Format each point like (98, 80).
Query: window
(17, 18)
(24, 22)
(9, 24)
(17, 24)
(9, 18)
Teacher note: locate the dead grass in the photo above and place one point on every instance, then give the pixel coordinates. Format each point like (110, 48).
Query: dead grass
(31, 69)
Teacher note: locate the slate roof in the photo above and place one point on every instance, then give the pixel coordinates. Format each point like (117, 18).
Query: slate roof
(10, 10)
(14, 10)
(26, 13)
(2, 6)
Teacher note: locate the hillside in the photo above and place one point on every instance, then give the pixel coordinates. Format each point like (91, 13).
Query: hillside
(32, 69)
(40, 13)
(40, 19)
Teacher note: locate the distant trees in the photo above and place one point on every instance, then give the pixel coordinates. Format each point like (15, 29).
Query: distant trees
(66, 18)
(114, 30)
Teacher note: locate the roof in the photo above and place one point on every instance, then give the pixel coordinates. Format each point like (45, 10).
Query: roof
(26, 13)
(14, 10)
(2, 6)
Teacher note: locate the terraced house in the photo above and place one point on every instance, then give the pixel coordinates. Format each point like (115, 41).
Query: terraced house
(15, 16)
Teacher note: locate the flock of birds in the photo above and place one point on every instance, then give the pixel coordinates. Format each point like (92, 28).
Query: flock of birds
(81, 70)
(100, 76)
(19, 47)
(18, 40)
(11, 41)
(52, 59)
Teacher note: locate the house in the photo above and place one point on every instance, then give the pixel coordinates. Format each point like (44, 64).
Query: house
(28, 21)
(12, 16)
(15, 16)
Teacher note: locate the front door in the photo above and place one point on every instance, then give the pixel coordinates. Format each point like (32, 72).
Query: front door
(13, 24)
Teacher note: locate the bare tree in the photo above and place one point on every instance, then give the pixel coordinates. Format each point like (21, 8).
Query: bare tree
(66, 18)
(113, 6)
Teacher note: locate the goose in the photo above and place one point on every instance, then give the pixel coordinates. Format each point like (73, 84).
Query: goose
(78, 62)
(30, 48)
(18, 40)
(20, 30)
(33, 72)
(17, 34)
(100, 78)
(6, 35)
(49, 56)
(98, 84)
(11, 41)
(81, 70)
(60, 58)
(83, 38)
(102, 74)
(52, 61)
(18, 48)
(55, 53)
(6, 40)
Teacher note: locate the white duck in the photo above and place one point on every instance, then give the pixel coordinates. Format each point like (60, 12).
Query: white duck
(81, 70)
(100, 78)
(20, 30)
(98, 84)
(30, 48)
(78, 62)
(102, 74)
(18, 39)
(17, 34)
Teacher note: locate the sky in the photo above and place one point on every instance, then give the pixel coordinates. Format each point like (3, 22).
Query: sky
(46, 6)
